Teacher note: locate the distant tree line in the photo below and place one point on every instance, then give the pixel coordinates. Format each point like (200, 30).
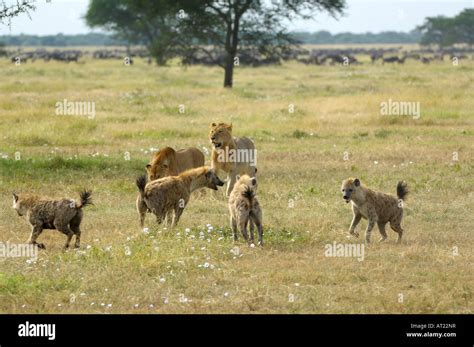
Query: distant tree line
(61, 40)
(325, 37)
(319, 37)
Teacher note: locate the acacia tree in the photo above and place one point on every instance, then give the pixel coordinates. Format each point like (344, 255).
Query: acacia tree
(259, 24)
(227, 25)
(154, 23)
(11, 9)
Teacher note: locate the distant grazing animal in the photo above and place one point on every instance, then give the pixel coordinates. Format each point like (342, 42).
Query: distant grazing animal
(171, 194)
(394, 60)
(168, 162)
(233, 155)
(244, 208)
(65, 215)
(374, 206)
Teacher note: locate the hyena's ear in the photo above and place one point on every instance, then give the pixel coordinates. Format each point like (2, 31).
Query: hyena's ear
(237, 177)
(212, 125)
(254, 181)
(15, 197)
(357, 182)
(148, 167)
(229, 127)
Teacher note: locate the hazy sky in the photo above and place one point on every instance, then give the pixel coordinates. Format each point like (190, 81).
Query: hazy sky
(65, 16)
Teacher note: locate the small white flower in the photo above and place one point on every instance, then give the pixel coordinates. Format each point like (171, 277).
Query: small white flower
(252, 245)
(206, 265)
(162, 280)
(376, 162)
(109, 305)
(146, 231)
(136, 305)
(166, 301)
(226, 294)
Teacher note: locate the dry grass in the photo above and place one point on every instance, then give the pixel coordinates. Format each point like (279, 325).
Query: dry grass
(300, 161)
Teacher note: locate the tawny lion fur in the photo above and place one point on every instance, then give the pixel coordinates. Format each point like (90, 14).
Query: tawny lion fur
(222, 140)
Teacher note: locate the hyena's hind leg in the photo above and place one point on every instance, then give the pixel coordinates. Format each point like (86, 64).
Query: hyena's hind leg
(398, 229)
(142, 209)
(233, 224)
(65, 229)
(251, 229)
(75, 227)
(36, 231)
(242, 223)
(382, 231)
(257, 219)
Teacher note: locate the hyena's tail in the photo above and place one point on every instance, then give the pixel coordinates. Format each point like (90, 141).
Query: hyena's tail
(141, 183)
(402, 190)
(249, 193)
(86, 198)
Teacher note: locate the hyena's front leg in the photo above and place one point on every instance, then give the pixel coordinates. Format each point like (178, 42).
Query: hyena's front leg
(36, 231)
(372, 219)
(355, 220)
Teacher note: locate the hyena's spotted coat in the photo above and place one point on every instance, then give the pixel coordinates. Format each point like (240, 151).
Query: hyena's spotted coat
(65, 215)
(377, 207)
(244, 208)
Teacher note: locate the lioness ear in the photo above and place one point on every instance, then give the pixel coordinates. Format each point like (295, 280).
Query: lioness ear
(229, 127)
(148, 167)
(15, 197)
(356, 182)
(212, 125)
(237, 177)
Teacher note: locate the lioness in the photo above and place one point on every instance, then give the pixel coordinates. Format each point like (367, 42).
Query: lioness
(233, 155)
(168, 162)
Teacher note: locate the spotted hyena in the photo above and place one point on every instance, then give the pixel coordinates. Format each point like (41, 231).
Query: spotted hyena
(378, 208)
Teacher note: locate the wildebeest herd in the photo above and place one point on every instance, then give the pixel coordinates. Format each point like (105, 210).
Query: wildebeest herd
(254, 58)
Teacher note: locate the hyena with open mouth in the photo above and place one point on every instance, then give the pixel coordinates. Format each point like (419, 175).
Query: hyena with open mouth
(64, 215)
(376, 207)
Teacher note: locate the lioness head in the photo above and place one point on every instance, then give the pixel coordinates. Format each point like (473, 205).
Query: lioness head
(20, 208)
(349, 188)
(220, 134)
(162, 165)
(212, 180)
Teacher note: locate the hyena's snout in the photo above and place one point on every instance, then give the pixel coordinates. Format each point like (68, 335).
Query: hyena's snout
(346, 195)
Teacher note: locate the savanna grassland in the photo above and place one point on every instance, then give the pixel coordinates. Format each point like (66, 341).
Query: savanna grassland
(301, 163)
